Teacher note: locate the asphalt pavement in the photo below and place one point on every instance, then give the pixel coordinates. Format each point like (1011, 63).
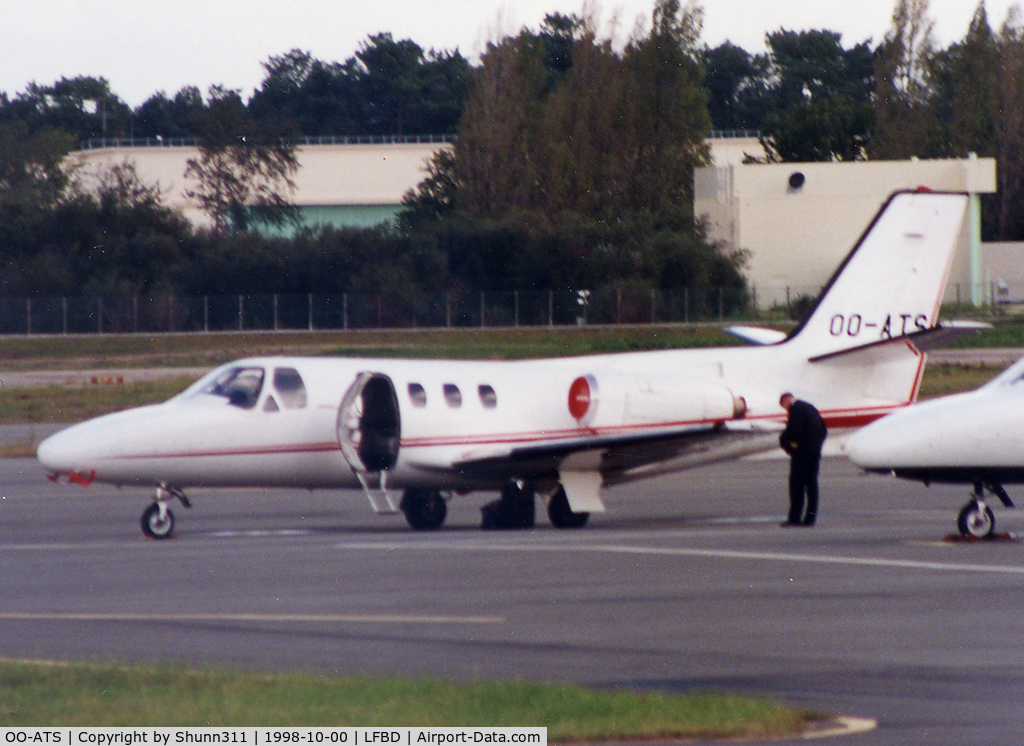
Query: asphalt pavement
(688, 582)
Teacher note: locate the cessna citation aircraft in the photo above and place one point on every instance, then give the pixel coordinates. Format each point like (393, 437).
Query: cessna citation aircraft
(412, 432)
(971, 438)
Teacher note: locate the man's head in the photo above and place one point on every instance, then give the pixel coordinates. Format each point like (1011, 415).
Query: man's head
(786, 400)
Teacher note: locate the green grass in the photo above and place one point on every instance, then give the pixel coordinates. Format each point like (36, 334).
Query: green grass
(58, 404)
(941, 379)
(176, 350)
(34, 695)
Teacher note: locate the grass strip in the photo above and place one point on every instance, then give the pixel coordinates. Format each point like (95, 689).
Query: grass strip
(82, 695)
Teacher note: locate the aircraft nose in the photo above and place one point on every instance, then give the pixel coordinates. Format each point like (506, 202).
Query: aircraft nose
(61, 452)
(870, 448)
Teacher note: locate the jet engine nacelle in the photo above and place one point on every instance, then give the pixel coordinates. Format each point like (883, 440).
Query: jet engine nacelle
(608, 400)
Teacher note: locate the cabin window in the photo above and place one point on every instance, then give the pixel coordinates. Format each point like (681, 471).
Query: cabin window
(418, 395)
(241, 386)
(488, 396)
(290, 388)
(452, 395)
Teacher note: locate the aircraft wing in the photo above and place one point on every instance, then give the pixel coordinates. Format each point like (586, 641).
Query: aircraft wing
(626, 457)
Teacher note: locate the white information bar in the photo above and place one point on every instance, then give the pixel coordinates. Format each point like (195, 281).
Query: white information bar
(396, 736)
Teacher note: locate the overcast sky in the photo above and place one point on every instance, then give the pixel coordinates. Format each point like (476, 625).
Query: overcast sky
(146, 46)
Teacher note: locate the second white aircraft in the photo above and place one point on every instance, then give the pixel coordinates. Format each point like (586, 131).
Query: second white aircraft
(972, 438)
(411, 433)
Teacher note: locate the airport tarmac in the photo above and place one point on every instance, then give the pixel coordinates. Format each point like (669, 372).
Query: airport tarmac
(688, 582)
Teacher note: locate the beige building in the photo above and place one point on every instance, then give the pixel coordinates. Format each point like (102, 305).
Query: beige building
(797, 221)
(342, 183)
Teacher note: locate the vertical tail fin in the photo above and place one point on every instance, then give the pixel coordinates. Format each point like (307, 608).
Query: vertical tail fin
(893, 281)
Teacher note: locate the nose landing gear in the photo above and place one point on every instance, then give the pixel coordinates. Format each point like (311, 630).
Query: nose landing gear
(158, 520)
(976, 520)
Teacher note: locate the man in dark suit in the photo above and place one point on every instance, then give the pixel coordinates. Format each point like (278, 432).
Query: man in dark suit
(802, 439)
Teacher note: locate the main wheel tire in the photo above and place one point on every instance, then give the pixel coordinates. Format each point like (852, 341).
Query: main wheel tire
(976, 521)
(561, 515)
(425, 509)
(153, 526)
(515, 509)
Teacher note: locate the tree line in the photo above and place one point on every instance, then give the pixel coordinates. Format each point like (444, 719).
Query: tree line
(571, 165)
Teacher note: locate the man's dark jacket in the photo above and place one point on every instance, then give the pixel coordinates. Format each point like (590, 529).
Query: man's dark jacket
(805, 431)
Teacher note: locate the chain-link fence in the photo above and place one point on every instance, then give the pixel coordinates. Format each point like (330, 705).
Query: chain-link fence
(91, 315)
(214, 313)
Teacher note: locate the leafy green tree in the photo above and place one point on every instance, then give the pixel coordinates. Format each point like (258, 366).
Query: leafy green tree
(574, 160)
(322, 99)
(163, 117)
(820, 97)
(244, 168)
(736, 83)
(904, 120)
(667, 116)
(390, 88)
(32, 171)
(84, 107)
(963, 81)
(1008, 130)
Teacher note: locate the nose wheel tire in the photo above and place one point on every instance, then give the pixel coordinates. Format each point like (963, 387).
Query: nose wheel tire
(976, 520)
(155, 525)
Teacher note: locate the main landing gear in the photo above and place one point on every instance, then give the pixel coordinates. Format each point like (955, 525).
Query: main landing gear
(517, 509)
(158, 520)
(424, 508)
(976, 519)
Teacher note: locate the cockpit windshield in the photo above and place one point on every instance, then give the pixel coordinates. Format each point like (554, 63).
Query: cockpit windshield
(240, 385)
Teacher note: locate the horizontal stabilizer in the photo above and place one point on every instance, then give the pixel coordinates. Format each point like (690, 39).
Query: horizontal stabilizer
(946, 333)
(757, 335)
(924, 340)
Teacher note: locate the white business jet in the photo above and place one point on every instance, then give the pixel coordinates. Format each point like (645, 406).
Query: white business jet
(971, 438)
(412, 432)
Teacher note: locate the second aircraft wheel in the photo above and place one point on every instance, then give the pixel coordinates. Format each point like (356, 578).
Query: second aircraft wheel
(976, 520)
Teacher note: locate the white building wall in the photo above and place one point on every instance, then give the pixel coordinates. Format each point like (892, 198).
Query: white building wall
(796, 236)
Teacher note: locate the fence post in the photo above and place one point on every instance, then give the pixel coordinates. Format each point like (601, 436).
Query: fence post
(64, 308)
(241, 312)
(28, 315)
(309, 310)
